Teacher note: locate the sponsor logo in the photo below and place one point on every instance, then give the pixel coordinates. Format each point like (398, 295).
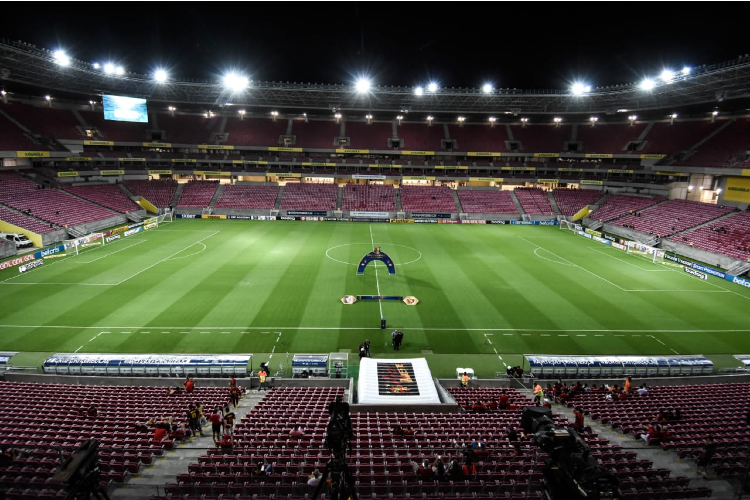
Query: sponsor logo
(497, 222)
(118, 230)
(426, 221)
(709, 270)
(354, 213)
(312, 218)
(51, 251)
(14, 262)
(741, 281)
(449, 221)
(243, 217)
(585, 235)
(213, 217)
(288, 218)
(137, 224)
(30, 265)
(472, 221)
(403, 221)
(319, 213)
(593, 233)
(620, 247)
(610, 238)
(133, 231)
(112, 238)
(188, 216)
(428, 215)
(601, 240)
(149, 226)
(697, 274)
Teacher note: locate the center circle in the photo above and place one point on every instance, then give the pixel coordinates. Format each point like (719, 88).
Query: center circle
(331, 252)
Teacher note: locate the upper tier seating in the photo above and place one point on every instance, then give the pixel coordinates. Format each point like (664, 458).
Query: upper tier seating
(608, 138)
(735, 242)
(672, 216)
(255, 131)
(159, 192)
(478, 137)
(60, 428)
(534, 201)
(721, 149)
(680, 136)
(369, 197)
(187, 129)
(309, 197)
(428, 199)
(12, 138)
(54, 123)
(108, 195)
(50, 205)
(540, 138)
(617, 205)
(247, 197)
(114, 130)
(316, 134)
(718, 410)
(420, 136)
(570, 201)
(197, 194)
(24, 222)
(487, 201)
(372, 136)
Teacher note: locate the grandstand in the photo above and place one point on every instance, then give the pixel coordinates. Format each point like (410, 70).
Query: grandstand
(159, 192)
(240, 196)
(309, 197)
(486, 201)
(672, 216)
(364, 197)
(427, 199)
(534, 201)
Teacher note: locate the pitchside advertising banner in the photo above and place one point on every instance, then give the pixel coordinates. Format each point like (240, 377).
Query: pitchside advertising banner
(429, 215)
(318, 213)
(534, 222)
(359, 213)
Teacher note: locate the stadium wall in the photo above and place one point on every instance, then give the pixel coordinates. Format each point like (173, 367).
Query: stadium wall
(7, 249)
(7, 227)
(698, 254)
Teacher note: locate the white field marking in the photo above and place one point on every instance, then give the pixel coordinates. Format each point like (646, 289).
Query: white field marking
(488, 341)
(635, 335)
(682, 291)
(205, 332)
(421, 329)
(659, 341)
(240, 332)
(105, 256)
(598, 335)
(145, 332)
(545, 335)
(526, 335)
(165, 332)
(78, 349)
(389, 244)
(550, 260)
(581, 335)
(191, 254)
(82, 284)
(494, 350)
(165, 258)
(675, 351)
(224, 332)
(488, 334)
(630, 263)
(184, 332)
(125, 332)
(507, 334)
(562, 335)
(619, 335)
(377, 282)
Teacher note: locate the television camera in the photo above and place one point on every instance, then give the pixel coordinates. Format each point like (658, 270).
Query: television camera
(338, 435)
(80, 473)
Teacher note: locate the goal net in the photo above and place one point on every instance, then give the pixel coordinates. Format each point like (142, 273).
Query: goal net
(570, 226)
(653, 254)
(165, 218)
(84, 243)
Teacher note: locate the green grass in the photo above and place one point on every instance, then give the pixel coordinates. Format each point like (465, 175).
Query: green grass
(204, 286)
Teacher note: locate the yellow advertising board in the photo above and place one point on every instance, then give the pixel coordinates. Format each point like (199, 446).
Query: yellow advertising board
(593, 233)
(78, 158)
(546, 155)
(354, 151)
(111, 172)
(418, 153)
(213, 172)
(528, 169)
(619, 171)
(290, 150)
(737, 189)
(283, 174)
(484, 179)
(32, 154)
(548, 181)
(214, 146)
(746, 172)
(130, 159)
(671, 173)
(418, 178)
(318, 164)
(207, 216)
(184, 160)
(599, 155)
(482, 153)
(249, 162)
(591, 183)
(67, 174)
(569, 169)
(157, 144)
(98, 143)
(160, 172)
(652, 157)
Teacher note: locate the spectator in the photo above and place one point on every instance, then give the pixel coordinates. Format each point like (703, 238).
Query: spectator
(512, 434)
(262, 378)
(297, 432)
(162, 429)
(628, 384)
(469, 470)
(194, 421)
(465, 380)
(455, 471)
(707, 452)
(232, 382)
(92, 411)
(478, 407)
(538, 394)
(314, 478)
(503, 402)
(362, 352)
(234, 394)
(201, 417)
(189, 385)
(409, 431)
(226, 443)
(424, 472)
(642, 390)
(173, 391)
(398, 430)
(652, 435)
(438, 468)
(215, 419)
(228, 421)
(578, 424)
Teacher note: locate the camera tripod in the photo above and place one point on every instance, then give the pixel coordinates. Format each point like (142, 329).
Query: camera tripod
(342, 484)
(88, 487)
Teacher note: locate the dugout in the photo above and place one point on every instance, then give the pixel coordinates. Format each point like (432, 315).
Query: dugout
(555, 366)
(315, 364)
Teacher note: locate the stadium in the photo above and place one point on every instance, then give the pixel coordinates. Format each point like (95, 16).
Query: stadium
(573, 264)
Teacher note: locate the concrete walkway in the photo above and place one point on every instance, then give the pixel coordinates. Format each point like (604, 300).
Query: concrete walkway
(152, 478)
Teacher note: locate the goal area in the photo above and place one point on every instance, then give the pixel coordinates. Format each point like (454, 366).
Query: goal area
(83, 243)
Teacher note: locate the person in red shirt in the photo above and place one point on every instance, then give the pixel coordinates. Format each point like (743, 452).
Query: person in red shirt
(504, 402)
(578, 424)
(479, 407)
(469, 470)
(189, 385)
(215, 419)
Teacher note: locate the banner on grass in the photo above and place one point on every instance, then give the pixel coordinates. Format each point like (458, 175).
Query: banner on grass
(697, 274)
(17, 261)
(397, 379)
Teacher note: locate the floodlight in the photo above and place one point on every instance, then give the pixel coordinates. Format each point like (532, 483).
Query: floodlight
(686, 71)
(119, 70)
(236, 83)
(524, 120)
(714, 112)
(648, 84)
(432, 87)
(690, 188)
(274, 113)
(109, 68)
(632, 117)
(418, 91)
(48, 97)
(557, 119)
(594, 118)
(160, 76)
(667, 75)
(61, 58)
(337, 115)
(399, 117)
(368, 116)
(579, 89)
(242, 111)
(172, 108)
(718, 190)
(430, 118)
(96, 65)
(362, 85)
(493, 119)
(673, 115)
(3, 92)
(487, 88)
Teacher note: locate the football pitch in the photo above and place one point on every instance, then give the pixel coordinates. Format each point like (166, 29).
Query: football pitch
(487, 295)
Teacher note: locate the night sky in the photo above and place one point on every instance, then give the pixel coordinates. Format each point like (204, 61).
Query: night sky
(531, 45)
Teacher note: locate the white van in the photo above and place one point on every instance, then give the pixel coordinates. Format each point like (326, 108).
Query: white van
(20, 240)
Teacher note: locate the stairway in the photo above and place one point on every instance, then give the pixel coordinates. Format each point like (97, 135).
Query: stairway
(340, 198)
(128, 192)
(454, 192)
(553, 202)
(177, 195)
(133, 217)
(517, 203)
(216, 196)
(277, 204)
(739, 268)
(399, 207)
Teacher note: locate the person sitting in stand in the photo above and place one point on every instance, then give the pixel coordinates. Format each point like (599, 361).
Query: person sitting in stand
(652, 434)
(642, 390)
(297, 432)
(469, 470)
(92, 411)
(455, 470)
(162, 429)
(424, 472)
(438, 468)
(189, 384)
(398, 430)
(226, 443)
(409, 431)
(512, 434)
(314, 478)
(478, 407)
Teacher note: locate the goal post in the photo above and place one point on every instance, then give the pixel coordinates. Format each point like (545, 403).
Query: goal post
(566, 225)
(164, 218)
(83, 243)
(655, 255)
